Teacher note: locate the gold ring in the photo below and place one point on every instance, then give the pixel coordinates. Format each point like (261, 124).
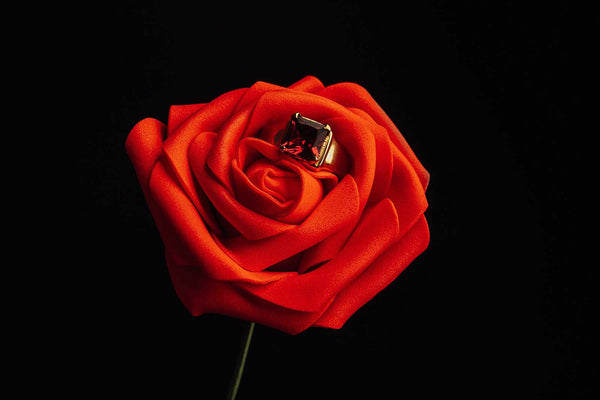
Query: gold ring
(313, 144)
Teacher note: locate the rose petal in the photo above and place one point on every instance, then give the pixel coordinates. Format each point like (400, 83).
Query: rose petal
(179, 113)
(383, 158)
(184, 233)
(223, 151)
(327, 218)
(325, 250)
(253, 192)
(309, 84)
(251, 148)
(275, 179)
(353, 95)
(308, 198)
(310, 292)
(277, 192)
(175, 147)
(143, 146)
(250, 224)
(254, 93)
(202, 295)
(220, 158)
(380, 274)
(406, 192)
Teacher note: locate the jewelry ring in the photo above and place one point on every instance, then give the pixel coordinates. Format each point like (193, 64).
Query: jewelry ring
(313, 144)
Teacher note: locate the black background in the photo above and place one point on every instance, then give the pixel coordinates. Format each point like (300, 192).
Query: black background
(485, 94)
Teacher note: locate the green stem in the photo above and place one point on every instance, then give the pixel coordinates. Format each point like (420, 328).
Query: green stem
(239, 368)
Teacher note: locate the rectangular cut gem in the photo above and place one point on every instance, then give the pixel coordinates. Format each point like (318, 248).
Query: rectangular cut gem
(305, 139)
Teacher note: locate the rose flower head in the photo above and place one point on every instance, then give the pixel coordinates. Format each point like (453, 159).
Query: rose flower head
(290, 207)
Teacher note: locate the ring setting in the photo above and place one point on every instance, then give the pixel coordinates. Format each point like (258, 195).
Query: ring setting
(312, 143)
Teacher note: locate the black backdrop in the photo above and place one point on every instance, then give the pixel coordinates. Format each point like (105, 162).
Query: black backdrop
(483, 93)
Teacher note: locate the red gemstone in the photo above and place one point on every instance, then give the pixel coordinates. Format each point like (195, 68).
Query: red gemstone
(305, 139)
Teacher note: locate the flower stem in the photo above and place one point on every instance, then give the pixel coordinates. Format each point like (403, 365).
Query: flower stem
(239, 368)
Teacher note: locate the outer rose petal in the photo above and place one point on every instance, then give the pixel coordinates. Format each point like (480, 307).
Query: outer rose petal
(309, 84)
(379, 275)
(179, 114)
(353, 95)
(175, 148)
(311, 291)
(143, 145)
(201, 295)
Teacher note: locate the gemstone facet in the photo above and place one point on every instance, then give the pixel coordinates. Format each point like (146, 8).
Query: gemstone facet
(306, 139)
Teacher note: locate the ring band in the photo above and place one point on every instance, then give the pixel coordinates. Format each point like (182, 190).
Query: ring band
(313, 144)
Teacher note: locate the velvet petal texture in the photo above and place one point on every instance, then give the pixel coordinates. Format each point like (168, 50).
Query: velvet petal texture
(254, 234)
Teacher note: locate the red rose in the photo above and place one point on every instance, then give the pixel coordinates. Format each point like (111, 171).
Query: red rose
(252, 233)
